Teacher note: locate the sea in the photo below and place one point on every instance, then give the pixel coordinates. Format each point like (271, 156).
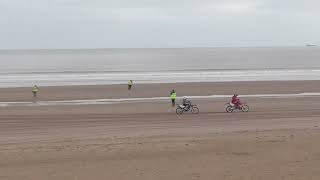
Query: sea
(24, 68)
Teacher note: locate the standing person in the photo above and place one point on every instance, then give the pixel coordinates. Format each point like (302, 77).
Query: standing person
(173, 96)
(172, 91)
(35, 90)
(130, 83)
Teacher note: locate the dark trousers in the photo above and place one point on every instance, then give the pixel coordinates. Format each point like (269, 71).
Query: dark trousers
(173, 102)
(129, 87)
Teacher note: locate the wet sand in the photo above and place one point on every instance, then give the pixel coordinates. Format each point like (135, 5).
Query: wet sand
(158, 90)
(277, 139)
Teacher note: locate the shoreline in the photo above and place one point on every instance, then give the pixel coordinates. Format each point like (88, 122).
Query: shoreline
(150, 99)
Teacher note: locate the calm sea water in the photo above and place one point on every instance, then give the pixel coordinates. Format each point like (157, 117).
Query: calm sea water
(117, 66)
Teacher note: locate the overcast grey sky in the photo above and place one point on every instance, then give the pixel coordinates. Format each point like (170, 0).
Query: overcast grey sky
(157, 23)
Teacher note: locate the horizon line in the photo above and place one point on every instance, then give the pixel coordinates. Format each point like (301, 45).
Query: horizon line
(182, 47)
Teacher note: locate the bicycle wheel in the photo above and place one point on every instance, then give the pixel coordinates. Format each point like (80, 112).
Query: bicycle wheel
(195, 110)
(179, 111)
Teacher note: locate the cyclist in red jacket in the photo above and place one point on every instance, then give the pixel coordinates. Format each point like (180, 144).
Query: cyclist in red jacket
(235, 100)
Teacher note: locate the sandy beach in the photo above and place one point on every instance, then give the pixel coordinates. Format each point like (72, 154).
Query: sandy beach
(277, 139)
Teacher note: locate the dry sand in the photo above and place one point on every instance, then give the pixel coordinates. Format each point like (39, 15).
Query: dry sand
(277, 139)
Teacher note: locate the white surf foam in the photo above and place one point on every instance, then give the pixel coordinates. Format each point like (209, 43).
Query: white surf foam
(100, 78)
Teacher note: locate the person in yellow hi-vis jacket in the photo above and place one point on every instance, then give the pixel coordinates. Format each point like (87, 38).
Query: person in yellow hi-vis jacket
(173, 96)
(130, 84)
(35, 90)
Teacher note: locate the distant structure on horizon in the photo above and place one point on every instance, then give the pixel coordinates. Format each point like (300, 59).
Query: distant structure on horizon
(311, 45)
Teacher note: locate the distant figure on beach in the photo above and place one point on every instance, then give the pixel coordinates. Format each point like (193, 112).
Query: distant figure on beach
(173, 96)
(35, 90)
(130, 83)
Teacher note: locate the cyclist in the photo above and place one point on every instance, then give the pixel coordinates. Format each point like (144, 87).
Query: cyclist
(236, 101)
